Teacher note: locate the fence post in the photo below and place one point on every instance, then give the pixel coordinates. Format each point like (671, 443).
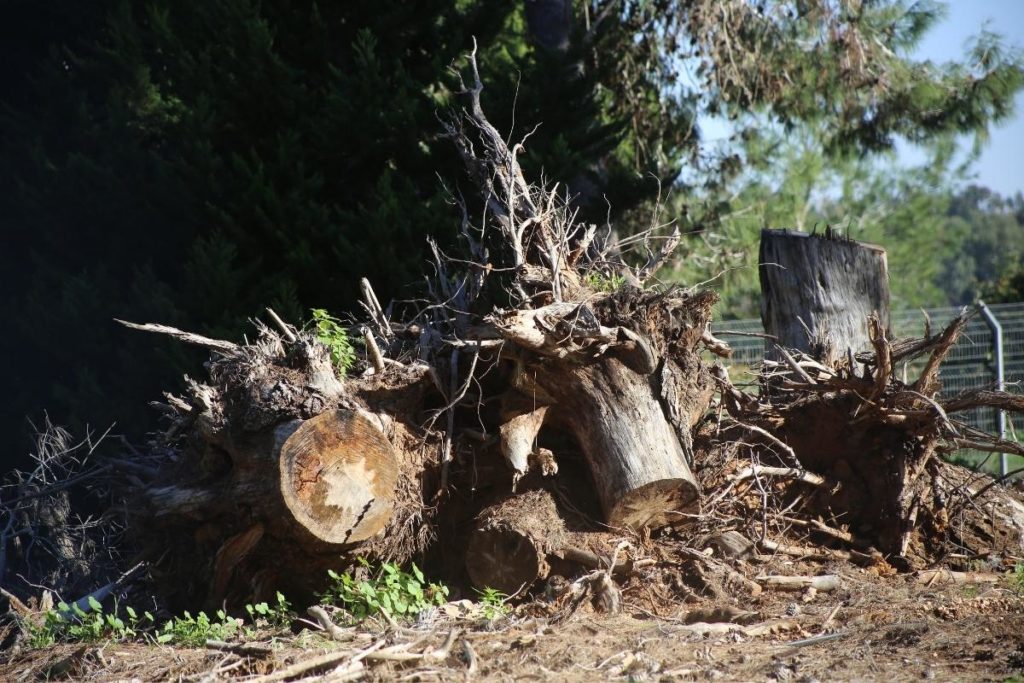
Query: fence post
(997, 348)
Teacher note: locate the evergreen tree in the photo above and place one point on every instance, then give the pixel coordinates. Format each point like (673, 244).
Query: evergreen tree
(192, 162)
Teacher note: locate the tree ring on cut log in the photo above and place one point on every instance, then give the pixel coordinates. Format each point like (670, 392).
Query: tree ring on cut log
(338, 476)
(654, 505)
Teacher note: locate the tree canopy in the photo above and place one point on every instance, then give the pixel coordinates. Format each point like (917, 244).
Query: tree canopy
(193, 162)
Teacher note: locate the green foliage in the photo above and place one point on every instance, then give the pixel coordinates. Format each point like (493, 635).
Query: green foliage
(600, 282)
(493, 603)
(70, 623)
(390, 591)
(330, 331)
(277, 615)
(1017, 578)
(189, 631)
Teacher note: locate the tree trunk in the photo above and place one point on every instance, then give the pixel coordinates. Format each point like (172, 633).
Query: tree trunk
(639, 466)
(284, 478)
(818, 292)
(828, 297)
(629, 397)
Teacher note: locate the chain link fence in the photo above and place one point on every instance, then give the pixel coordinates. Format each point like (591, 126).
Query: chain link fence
(971, 363)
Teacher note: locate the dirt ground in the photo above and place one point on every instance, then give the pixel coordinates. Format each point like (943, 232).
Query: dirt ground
(894, 628)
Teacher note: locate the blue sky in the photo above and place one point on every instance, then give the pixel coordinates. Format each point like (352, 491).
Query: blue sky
(1001, 165)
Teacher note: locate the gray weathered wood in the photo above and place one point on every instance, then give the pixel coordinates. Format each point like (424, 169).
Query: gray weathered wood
(818, 291)
(638, 464)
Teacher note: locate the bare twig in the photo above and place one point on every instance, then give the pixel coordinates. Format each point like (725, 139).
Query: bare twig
(286, 330)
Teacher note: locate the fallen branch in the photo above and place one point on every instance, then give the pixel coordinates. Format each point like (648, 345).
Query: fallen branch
(824, 583)
(942, 577)
(327, 624)
(225, 347)
(245, 649)
(765, 628)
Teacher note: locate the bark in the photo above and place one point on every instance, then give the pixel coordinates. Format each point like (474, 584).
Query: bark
(638, 465)
(508, 548)
(837, 406)
(629, 397)
(818, 292)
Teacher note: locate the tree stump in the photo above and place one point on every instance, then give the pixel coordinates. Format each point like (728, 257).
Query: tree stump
(828, 297)
(817, 293)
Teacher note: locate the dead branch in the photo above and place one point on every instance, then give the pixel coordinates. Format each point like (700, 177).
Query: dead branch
(939, 577)
(286, 330)
(824, 583)
(225, 347)
(927, 382)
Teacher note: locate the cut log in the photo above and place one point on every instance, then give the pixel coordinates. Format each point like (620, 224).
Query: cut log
(638, 465)
(338, 476)
(818, 292)
(629, 398)
(508, 548)
(524, 539)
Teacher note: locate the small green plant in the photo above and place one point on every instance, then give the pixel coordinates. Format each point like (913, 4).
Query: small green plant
(330, 331)
(393, 592)
(277, 615)
(603, 283)
(1017, 578)
(70, 623)
(492, 603)
(194, 631)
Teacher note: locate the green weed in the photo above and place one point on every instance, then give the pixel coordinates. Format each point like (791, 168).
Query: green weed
(392, 591)
(603, 283)
(492, 602)
(190, 631)
(276, 616)
(330, 331)
(70, 623)
(1017, 578)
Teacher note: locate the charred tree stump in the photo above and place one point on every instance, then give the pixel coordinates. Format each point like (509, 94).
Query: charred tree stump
(818, 292)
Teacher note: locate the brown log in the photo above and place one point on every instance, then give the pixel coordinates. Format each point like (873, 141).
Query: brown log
(818, 292)
(508, 548)
(338, 474)
(637, 462)
(334, 476)
(629, 397)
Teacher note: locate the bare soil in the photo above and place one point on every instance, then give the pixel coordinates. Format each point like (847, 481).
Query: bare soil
(872, 628)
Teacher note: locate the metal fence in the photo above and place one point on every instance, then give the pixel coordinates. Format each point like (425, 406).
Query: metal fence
(971, 364)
